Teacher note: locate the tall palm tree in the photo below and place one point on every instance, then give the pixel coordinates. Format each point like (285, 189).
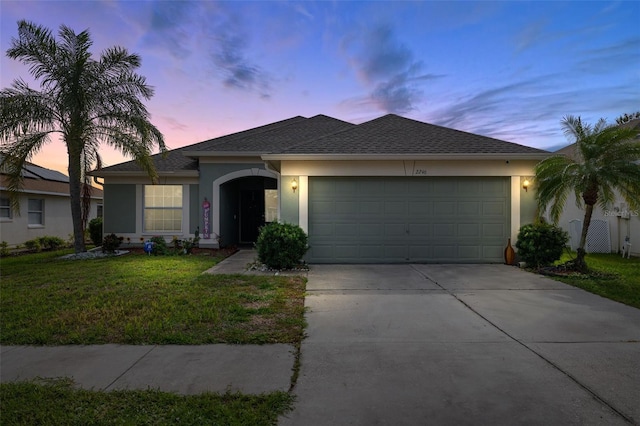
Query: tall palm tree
(606, 161)
(82, 100)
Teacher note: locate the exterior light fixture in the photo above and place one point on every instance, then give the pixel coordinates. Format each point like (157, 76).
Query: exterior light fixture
(525, 185)
(294, 185)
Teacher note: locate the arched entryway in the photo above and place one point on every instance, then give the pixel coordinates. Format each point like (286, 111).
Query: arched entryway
(246, 200)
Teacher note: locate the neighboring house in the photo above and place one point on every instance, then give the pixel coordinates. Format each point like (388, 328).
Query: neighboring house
(388, 190)
(44, 206)
(622, 221)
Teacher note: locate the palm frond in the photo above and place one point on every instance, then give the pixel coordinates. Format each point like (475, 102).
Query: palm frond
(87, 101)
(608, 160)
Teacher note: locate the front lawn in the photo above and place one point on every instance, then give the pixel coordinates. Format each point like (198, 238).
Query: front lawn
(610, 276)
(139, 299)
(59, 403)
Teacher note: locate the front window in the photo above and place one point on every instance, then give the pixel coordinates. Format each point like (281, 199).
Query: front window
(163, 208)
(270, 205)
(5, 208)
(36, 211)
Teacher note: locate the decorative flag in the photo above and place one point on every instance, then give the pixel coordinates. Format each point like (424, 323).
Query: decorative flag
(206, 207)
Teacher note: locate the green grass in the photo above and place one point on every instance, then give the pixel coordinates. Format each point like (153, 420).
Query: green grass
(139, 299)
(59, 403)
(610, 276)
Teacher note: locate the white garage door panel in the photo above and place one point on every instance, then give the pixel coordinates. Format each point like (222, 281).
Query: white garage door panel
(392, 220)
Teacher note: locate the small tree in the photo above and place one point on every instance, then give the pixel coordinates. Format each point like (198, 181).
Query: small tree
(607, 160)
(83, 100)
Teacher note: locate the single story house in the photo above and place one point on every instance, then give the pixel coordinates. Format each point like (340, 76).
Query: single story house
(389, 190)
(45, 207)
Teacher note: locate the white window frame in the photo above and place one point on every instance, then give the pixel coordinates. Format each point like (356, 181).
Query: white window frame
(40, 212)
(157, 208)
(6, 208)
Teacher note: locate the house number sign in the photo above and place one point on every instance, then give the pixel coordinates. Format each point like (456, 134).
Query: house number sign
(415, 168)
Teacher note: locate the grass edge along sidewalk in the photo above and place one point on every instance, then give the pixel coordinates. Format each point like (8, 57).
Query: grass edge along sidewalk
(255, 303)
(57, 402)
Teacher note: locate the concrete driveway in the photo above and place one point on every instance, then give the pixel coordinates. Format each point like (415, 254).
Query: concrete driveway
(463, 345)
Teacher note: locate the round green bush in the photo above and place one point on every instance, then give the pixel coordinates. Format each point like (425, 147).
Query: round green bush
(95, 231)
(281, 245)
(541, 244)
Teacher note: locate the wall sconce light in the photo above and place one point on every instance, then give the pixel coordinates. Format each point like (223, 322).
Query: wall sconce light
(294, 185)
(525, 185)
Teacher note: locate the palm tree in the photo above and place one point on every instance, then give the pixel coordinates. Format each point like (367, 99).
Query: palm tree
(606, 161)
(82, 100)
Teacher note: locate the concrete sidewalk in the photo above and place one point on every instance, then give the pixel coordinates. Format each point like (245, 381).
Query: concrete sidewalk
(237, 263)
(250, 369)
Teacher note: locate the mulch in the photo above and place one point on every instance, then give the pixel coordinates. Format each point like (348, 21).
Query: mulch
(196, 251)
(568, 272)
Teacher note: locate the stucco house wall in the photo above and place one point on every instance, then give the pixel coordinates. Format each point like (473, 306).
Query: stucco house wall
(57, 219)
(622, 221)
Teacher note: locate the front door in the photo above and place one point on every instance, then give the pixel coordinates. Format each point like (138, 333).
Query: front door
(251, 214)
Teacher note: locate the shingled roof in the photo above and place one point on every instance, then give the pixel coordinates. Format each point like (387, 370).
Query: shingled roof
(323, 135)
(392, 134)
(39, 179)
(260, 140)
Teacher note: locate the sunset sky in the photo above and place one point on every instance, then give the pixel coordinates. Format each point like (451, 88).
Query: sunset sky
(509, 70)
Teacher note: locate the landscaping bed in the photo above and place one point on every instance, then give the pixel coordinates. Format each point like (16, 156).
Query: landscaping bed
(609, 275)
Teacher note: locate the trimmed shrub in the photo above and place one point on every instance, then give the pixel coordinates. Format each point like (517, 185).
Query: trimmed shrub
(159, 247)
(281, 245)
(33, 245)
(4, 249)
(190, 243)
(541, 244)
(110, 243)
(51, 243)
(95, 230)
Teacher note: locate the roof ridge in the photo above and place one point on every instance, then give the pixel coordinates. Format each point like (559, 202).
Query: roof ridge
(380, 135)
(451, 129)
(351, 126)
(254, 130)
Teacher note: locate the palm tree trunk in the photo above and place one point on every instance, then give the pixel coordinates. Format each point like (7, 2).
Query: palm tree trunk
(75, 197)
(580, 263)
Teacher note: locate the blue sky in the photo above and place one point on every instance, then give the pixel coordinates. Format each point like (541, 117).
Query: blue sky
(509, 70)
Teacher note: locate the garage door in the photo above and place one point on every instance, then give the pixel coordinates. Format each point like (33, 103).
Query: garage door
(408, 219)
